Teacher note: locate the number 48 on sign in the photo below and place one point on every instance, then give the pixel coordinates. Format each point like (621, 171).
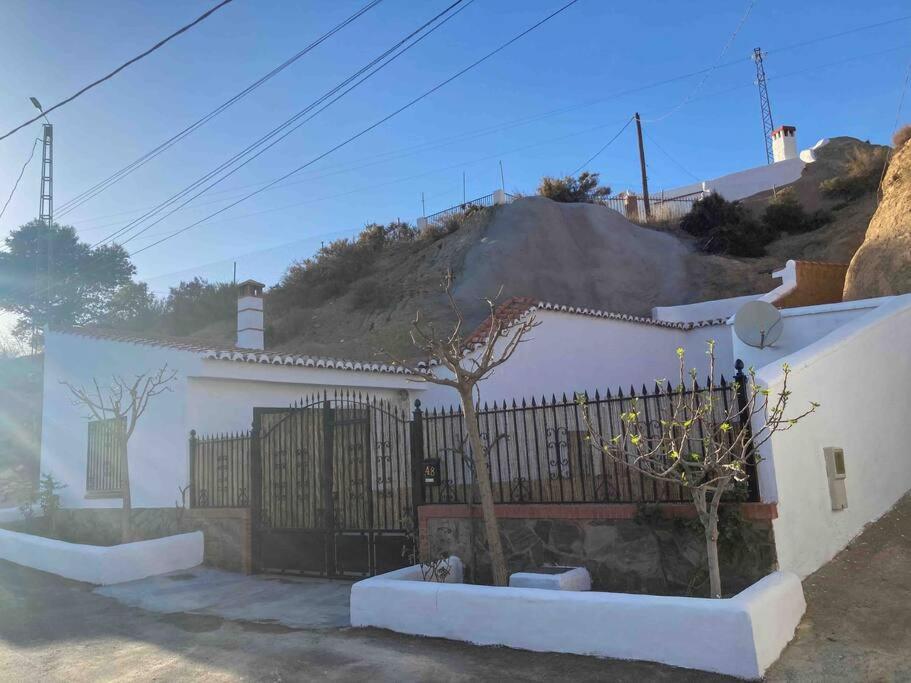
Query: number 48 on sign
(432, 471)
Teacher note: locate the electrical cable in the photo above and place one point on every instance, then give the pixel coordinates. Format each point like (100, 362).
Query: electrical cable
(132, 225)
(598, 153)
(540, 116)
(103, 185)
(21, 172)
(672, 159)
(120, 68)
(374, 125)
(710, 71)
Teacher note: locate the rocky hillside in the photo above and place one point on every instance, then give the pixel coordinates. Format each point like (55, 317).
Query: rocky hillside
(578, 254)
(882, 265)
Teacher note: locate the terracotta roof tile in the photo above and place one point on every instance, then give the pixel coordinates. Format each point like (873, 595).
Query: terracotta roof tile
(222, 351)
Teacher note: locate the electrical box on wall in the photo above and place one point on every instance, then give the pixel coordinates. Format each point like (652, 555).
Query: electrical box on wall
(835, 469)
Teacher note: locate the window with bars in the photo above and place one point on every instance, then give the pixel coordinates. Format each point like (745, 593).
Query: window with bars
(105, 458)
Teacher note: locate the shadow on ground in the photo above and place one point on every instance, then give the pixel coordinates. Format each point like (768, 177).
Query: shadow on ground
(58, 630)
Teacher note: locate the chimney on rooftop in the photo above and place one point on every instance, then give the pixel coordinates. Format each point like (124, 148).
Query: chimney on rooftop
(250, 315)
(784, 143)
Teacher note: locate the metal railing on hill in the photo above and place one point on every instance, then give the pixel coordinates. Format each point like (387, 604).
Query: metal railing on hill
(492, 199)
(661, 207)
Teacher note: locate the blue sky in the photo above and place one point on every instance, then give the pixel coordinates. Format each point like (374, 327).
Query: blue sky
(580, 62)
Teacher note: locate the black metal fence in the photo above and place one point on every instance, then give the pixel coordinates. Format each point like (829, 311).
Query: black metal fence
(220, 470)
(539, 452)
(486, 200)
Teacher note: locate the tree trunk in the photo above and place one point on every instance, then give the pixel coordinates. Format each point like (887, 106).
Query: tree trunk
(711, 547)
(126, 528)
(708, 515)
(482, 478)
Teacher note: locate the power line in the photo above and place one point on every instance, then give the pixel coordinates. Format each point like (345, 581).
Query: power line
(598, 153)
(21, 172)
(547, 114)
(120, 68)
(275, 131)
(101, 186)
(395, 154)
(898, 113)
(374, 125)
(672, 159)
(711, 69)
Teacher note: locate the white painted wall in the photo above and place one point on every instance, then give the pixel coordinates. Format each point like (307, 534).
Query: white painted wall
(741, 636)
(100, 564)
(209, 395)
(803, 326)
(574, 353)
(702, 310)
(859, 374)
(746, 183)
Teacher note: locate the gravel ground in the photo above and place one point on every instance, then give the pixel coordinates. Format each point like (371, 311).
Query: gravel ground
(858, 621)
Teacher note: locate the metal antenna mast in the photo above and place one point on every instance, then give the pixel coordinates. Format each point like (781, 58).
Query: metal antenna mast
(767, 125)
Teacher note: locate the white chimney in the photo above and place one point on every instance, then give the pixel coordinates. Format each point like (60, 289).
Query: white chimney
(250, 315)
(784, 143)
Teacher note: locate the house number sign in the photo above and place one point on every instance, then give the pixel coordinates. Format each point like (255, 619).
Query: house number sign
(432, 471)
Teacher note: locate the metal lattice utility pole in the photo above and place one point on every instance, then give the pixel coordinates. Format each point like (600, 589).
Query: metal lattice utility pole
(767, 125)
(46, 207)
(45, 215)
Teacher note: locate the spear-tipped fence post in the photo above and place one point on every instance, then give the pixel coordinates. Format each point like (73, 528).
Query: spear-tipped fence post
(741, 380)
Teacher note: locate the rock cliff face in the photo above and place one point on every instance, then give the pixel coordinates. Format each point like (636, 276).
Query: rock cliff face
(882, 265)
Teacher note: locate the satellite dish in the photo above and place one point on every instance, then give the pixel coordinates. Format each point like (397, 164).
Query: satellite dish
(758, 323)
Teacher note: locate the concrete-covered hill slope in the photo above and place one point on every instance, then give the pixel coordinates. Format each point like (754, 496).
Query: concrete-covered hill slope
(575, 254)
(578, 254)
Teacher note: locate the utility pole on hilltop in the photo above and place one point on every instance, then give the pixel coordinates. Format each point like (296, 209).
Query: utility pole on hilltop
(764, 106)
(645, 202)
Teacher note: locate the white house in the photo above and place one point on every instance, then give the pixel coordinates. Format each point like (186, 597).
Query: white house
(571, 350)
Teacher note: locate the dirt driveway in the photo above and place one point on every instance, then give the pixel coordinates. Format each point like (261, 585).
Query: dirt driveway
(58, 630)
(858, 621)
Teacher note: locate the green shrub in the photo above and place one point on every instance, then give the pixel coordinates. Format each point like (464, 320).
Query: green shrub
(581, 189)
(725, 227)
(785, 214)
(859, 175)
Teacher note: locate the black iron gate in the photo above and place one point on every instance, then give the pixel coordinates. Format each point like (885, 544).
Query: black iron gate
(332, 486)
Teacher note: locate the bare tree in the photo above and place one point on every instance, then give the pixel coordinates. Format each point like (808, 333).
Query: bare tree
(464, 365)
(702, 447)
(124, 400)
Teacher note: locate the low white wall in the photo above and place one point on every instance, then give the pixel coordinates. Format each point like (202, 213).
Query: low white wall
(100, 564)
(702, 310)
(802, 327)
(740, 636)
(859, 374)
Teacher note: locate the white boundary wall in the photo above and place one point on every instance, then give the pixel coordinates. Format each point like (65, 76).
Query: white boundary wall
(569, 352)
(100, 564)
(740, 636)
(859, 373)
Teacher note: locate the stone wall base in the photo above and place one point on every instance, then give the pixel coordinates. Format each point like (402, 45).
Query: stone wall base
(656, 549)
